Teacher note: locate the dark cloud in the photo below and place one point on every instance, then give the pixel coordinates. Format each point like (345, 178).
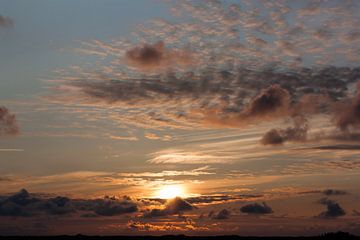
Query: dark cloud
(152, 56)
(8, 123)
(271, 101)
(111, 207)
(172, 207)
(18, 204)
(296, 133)
(58, 206)
(256, 208)
(6, 22)
(221, 215)
(329, 192)
(333, 209)
(25, 204)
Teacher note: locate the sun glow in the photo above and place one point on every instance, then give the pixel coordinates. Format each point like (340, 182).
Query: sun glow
(171, 191)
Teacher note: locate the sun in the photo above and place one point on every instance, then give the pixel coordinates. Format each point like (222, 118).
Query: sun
(171, 191)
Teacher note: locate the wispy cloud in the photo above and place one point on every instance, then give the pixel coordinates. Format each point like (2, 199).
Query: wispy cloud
(11, 150)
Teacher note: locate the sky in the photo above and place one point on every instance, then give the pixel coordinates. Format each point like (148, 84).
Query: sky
(161, 117)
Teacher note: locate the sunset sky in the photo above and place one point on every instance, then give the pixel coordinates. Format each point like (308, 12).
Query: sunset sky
(201, 117)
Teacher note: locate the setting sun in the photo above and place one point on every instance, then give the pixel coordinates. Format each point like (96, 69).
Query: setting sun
(171, 191)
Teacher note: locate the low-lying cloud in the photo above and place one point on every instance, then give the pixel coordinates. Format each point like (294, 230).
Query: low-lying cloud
(172, 207)
(221, 215)
(256, 208)
(331, 192)
(25, 204)
(333, 209)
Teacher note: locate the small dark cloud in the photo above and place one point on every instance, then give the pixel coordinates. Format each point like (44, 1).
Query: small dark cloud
(147, 55)
(172, 207)
(8, 123)
(223, 214)
(256, 208)
(333, 209)
(6, 22)
(152, 56)
(296, 133)
(330, 192)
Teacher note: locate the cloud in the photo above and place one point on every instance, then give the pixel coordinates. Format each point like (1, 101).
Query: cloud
(172, 207)
(272, 101)
(25, 204)
(338, 147)
(330, 192)
(209, 98)
(153, 136)
(236, 81)
(296, 133)
(333, 209)
(154, 56)
(58, 206)
(8, 123)
(16, 204)
(6, 22)
(256, 208)
(221, 215)
(269, 104)
(206, 170)
(347, 112)
(170, 227)
(112, 206)
(217, 199)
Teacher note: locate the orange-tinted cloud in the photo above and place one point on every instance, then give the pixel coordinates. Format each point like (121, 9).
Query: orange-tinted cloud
(173, 206)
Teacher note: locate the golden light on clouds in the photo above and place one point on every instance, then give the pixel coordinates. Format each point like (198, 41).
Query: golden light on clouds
(171, 191)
